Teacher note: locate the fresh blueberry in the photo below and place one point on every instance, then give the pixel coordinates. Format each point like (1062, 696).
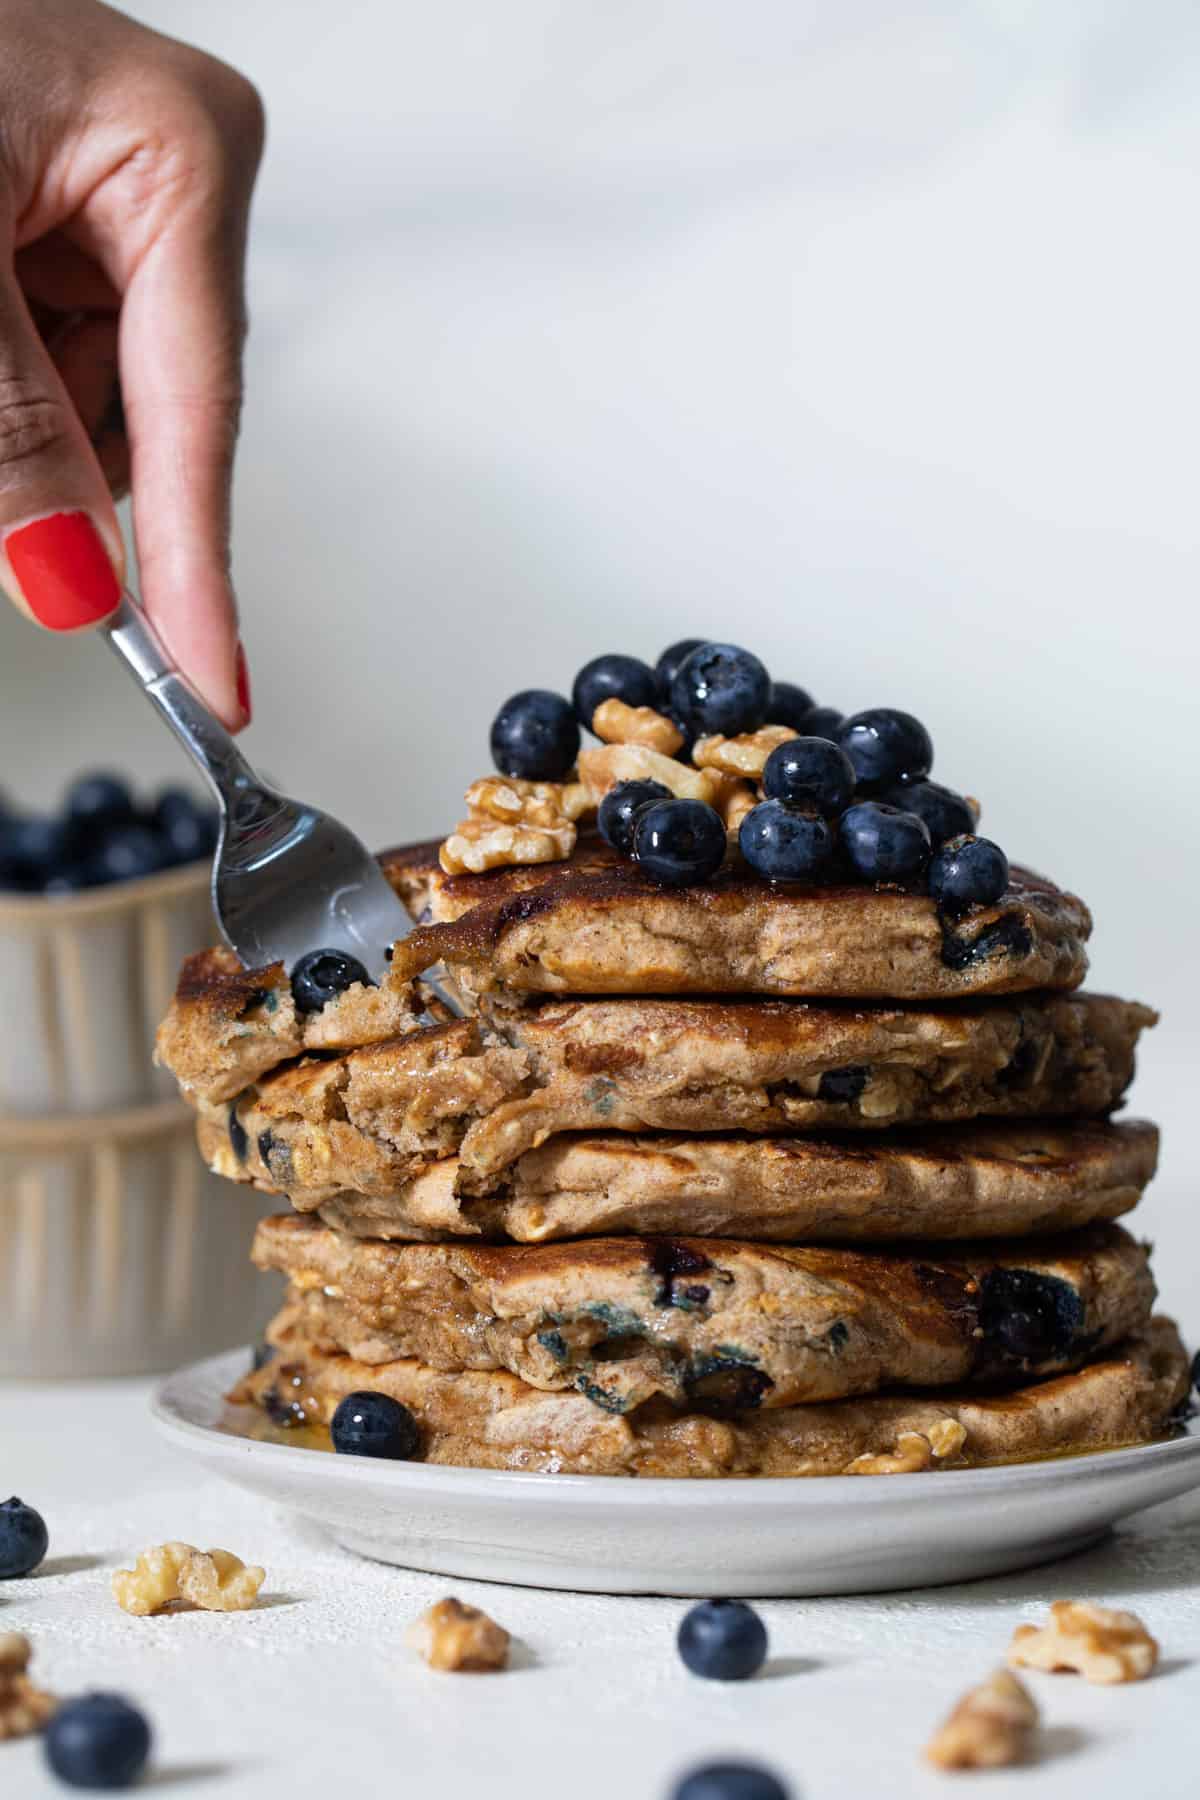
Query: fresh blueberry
(720, 688)
(885, 746)
(367, 1424)
(822, 722)
(945, 812)
(535, 736)
(619, 808)
(98, 1741)
(24, 1539)
(323, 974)
(788, 705)
(1029, 1316)
(70, 878)
(95, 803)
(263, 1354)
(810, 771)
(723, 1640)
(843, 1084)
(126, 853)
(678, 842)
(613, 678)
(883, 843)
(32, 849)
(667, 666)
(730, 1781)
(968, 871)
(783, 843)
(186, 829)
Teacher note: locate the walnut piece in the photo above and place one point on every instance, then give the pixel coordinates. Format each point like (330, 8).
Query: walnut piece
(914, 1451)
(616, 723)
(745, 755)
(479, 844)
(512, 802)
(453, 1636)
(992, 1725)
(24, 1708)
(736, 800)
(602, 768)
(213, 1580)
(1092, 1641)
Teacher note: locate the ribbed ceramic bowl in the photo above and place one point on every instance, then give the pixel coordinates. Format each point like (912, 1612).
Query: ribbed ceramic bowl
(84, 980)
(120, 1253)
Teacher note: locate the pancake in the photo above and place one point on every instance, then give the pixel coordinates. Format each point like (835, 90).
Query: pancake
(368, 1119)
(596, 925)
(966, 1181)
(493, 1421)
(714, 1324)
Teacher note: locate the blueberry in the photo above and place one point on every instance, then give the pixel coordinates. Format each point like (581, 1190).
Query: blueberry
(882, 843)
(720, 688)
(367, 1424)
(619, 808)
(238, 1140)
(968, 871)
(730, 1781)
(678, 842)
(945, 812)
(788, 705)
(1029, 1316)
(885, 746)
(24, 1539)
(126, 853)
(96, 802)
(263, 1353)
(723, 1640)
(667, 666)
(70, 878)
(843, 1084)
(535, 736)
(613, 678)
(97, 1741)
(783, 843)
(822, 722)
(32, 849)
(810, 771)
(187, 830)
(323, 974)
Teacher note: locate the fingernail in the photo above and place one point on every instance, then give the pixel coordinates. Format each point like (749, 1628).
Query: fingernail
(64, 572)
(243, 684)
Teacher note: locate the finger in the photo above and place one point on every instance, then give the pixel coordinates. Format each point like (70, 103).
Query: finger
(84, 351)
(61, 555)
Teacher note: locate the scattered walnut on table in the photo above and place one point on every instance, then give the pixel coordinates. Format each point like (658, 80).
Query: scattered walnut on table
(617, 723)
(992, 1725)
(914, 1451)
(745, 755)
(480, 844)
(453, 1636)
(213, 1580)
(24, 1708)
(1092, 1641)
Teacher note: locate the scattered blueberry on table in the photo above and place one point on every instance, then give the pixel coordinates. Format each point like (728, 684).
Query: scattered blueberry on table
(98, 1741)
(321, 975)
(730, 1781)
(368, 1424)
(102, 835)
(24, 1539)
(723, 1640)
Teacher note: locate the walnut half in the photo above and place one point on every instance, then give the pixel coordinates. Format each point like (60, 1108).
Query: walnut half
(213, 1580)
(453, 1636)
(1092, 1641)
(915, 1451)
(24, 1708)
(992, 1725)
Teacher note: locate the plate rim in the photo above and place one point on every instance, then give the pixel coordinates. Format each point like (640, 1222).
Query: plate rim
(700, 1490)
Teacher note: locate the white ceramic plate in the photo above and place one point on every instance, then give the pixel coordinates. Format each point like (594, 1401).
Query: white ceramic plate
(607, 1535)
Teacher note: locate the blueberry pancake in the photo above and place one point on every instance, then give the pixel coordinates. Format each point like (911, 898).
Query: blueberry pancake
(1129, 1395)
(715, 1323)
(596, 925)
(962, 1181)
(368, 1119)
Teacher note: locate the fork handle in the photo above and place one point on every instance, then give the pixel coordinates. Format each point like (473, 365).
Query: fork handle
(131, 635)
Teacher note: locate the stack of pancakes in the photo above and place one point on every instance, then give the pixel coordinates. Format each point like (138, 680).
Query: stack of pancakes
(724, 1180)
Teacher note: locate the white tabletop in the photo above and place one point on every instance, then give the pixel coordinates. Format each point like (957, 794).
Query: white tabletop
(315, 1692)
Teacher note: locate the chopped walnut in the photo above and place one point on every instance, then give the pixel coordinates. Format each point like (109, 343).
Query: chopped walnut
(453, 1636)
(213, 1580)
(602, 768)
(736, 800)
(746, 755)
(479, 844)
(24, 1708)
(512, 802)
(1092, 1641)
(616, 723)
(914, 1451)
(991, 1726)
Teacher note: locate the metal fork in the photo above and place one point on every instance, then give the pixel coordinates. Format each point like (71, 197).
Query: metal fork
(287, 879)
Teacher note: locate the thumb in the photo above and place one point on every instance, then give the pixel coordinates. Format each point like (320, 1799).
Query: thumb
(62, 560)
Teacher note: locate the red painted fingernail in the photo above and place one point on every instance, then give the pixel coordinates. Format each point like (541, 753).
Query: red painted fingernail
(243, 684)
(64, 571)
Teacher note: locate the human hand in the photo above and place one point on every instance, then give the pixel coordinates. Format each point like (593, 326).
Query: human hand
(127, 163)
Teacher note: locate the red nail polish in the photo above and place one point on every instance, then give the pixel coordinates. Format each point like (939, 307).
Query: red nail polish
(63, 570)
(243, 684)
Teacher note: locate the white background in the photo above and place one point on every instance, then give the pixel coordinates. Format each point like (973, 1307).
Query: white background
(861, 333)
